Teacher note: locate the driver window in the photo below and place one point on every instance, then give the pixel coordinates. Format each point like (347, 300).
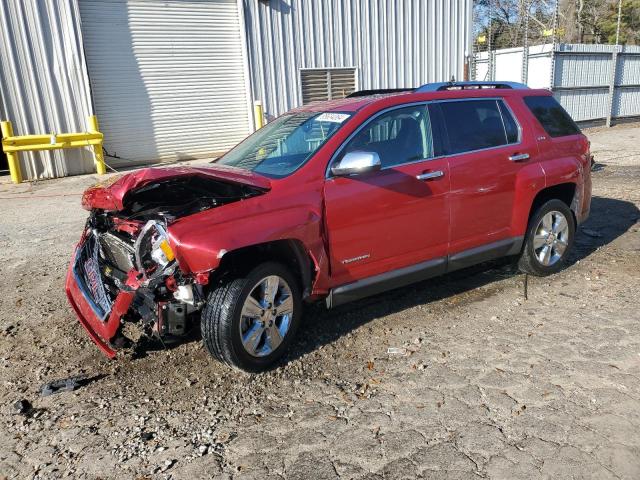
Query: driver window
(402, 135)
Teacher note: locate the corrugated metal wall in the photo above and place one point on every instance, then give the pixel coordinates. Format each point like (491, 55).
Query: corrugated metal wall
(581, 80)
(43, 80)
(626, 101)
(44, 84)
(400, 43)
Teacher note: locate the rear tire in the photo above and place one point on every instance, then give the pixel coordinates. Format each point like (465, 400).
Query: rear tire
(249, 322)
(549, 239)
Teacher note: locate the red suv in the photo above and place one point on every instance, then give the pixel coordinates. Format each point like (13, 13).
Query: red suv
(332, 201)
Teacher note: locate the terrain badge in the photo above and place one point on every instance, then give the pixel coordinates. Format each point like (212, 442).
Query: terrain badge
(355, 259)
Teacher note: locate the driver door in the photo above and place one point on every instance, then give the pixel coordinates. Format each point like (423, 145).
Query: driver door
(394, 217)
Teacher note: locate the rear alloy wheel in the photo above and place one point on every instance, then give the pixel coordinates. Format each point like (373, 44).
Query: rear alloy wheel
(249, 322)
(549, 239)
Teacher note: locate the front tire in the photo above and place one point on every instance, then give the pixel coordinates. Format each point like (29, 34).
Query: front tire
(249, 322)
(549, 240)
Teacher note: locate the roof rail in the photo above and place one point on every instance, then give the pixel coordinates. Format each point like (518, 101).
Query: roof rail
(364, 93)
(438, 87)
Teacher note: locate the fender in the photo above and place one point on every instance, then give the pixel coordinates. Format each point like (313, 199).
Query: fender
(568, 170)
(201, 249)
(562, 170)
(534, 178)
(530, 180)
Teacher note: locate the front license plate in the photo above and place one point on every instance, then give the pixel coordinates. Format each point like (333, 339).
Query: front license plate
(87, 274)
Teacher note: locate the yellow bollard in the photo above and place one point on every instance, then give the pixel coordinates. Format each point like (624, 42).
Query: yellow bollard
(12, 157)
(258, 114)
(101, 168)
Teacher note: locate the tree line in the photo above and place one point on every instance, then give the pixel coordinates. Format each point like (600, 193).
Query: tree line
(505, 23)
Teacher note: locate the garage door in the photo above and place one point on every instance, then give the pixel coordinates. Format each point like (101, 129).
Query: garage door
(167, 77)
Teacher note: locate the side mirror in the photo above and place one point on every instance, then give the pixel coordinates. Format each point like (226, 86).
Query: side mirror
(357, 162)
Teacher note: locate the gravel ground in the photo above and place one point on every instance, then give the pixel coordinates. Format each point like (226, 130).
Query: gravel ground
(484, 382)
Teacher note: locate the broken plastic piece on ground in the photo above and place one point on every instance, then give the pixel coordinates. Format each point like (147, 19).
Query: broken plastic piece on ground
(67, 384)
(396, 351)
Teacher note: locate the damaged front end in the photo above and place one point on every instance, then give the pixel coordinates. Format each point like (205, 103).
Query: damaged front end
(125, 269)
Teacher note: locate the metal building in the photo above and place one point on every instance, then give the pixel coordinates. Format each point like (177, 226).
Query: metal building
(176, 79)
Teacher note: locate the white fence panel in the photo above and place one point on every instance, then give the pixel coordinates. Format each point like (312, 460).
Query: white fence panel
(539, 71)
(508, 64)
(585, 79)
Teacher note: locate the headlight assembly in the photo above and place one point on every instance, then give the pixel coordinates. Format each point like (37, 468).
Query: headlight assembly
(161, 252)
(152, 250)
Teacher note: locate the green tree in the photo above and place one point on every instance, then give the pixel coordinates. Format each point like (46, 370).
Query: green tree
(629, 23)
(501, 23)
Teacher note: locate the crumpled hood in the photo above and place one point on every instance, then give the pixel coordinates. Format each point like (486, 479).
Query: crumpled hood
(110, 194)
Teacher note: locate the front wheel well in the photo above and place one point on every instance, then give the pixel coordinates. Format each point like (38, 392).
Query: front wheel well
(564, 192)
(291, 253)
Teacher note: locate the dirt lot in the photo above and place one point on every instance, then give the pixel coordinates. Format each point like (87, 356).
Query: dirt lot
(491, 385)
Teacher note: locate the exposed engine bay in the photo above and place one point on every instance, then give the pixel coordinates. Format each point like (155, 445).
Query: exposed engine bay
(178, 197)
(129, 251)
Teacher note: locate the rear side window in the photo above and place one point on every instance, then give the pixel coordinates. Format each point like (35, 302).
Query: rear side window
(553, 118)
(474, 125)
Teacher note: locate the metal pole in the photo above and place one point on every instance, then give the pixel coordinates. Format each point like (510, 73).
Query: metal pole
(474, 45)
(614, 67)
(612, 84)
(552, 75)
(490, 57)
(471, 47)
(258, 114)
(474, 63)
(12, 157)
(101, 168)
(525, 45)
(618, 27)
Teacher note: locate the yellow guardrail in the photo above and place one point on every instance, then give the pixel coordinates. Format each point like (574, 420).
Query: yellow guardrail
(28, 143)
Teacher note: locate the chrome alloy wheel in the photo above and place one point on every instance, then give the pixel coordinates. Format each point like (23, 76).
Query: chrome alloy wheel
(551, 238)
(266, 316)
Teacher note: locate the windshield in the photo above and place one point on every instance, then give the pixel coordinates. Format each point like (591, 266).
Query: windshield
(284, 145)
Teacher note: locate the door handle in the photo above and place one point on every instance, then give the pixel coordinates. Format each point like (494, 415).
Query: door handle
(519, 157)
(430, 175)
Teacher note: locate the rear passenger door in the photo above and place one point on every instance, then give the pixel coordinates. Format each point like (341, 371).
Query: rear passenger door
(486, 149)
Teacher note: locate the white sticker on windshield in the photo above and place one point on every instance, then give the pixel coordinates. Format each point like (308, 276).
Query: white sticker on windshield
(332, 117)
